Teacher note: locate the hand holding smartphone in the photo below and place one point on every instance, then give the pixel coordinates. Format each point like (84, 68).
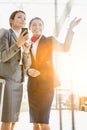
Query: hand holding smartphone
(21, 41)
(24, 30)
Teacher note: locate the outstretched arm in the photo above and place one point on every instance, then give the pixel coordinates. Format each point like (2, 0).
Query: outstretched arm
(68, 40)
(70, 33)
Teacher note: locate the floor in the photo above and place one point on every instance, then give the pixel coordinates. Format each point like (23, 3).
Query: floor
(80, 120)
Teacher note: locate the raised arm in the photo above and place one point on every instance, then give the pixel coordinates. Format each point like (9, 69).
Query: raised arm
(68, 40)
(70, 33)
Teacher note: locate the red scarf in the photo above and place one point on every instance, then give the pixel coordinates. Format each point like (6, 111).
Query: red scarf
(34, 38)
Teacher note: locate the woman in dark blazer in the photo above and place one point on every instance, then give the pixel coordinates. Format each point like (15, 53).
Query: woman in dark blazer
(41, 87)
(11, 68)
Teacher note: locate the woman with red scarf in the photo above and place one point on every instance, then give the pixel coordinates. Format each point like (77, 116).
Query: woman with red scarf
(41, 87)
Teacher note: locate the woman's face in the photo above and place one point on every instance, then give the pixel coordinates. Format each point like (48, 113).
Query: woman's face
(36, 27)
(19, 21)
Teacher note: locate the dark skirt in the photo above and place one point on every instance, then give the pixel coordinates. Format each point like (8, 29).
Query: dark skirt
(12, 101)
(40, 101)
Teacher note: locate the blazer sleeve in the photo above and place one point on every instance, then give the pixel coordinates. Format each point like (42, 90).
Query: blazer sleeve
(64, 47)
(7, 51)
(26, 60)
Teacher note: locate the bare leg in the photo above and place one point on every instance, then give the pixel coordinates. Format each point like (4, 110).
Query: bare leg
(44, 126)
(12, 126)
(36, 126)
(6, 126)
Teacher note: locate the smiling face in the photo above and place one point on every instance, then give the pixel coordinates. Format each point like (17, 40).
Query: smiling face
(18, 21)
(36, 26)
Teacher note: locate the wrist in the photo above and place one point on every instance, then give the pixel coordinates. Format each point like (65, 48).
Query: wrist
(70, 29)
(26, 53)
(17, 44)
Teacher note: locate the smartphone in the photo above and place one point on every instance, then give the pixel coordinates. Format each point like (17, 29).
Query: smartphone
(23, 29)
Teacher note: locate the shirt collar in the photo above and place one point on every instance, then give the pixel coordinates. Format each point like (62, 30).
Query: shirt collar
(16, 33)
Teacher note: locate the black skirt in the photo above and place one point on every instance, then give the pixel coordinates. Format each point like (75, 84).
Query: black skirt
(40, 101)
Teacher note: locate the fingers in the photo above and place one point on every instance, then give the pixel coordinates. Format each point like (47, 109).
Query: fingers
(33, 72)
(27, 45)
(74, 22)
(24, 36)
(25, 32)
(78, 20)
(22, 39)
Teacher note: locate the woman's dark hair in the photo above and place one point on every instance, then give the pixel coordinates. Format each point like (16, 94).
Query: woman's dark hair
(34, 19)
(12, 16)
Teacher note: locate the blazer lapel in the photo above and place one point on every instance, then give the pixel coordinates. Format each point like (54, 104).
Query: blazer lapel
(40, 47)
(13, 35)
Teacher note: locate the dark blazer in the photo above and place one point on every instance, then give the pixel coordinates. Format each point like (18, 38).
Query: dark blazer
(10, 56)
(48, 77)
(44, 63)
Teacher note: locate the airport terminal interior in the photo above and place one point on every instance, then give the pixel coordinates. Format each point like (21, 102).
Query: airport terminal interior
(69, 108)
